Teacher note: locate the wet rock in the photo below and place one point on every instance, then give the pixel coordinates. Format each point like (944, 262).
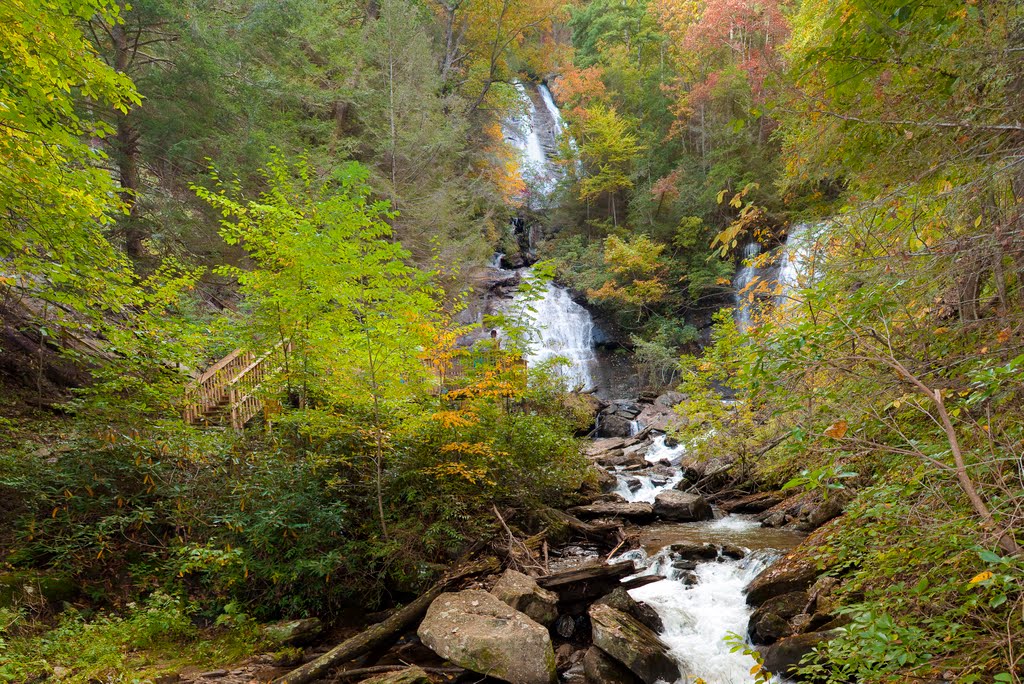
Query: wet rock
(293, 632)
(477, 631)
(606, 482)
(213, 674)
(411, 675)
(621, 600)
(600, 668)
(613, 425)
(638, 512)
(694, 551)
(753, 503)
(793, 572)
(684, 564)
(632, 643)
(681, 507)
(522, 593)
(734, 552)
(600, 446)
(633, 484)
(610, 497)
(779, 658)
(688, 578)
(770, 621)
(768, 629)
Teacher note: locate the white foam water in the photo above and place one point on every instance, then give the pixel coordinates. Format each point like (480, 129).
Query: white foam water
(699, 617)
(563, 329)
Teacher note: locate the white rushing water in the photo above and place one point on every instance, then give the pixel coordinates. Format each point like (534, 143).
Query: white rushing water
(563, 329)
(524, 134)
(743, 282)
(553, 110)
(697, 616)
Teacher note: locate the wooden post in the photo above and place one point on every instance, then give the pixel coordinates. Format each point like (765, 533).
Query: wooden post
(233, 400)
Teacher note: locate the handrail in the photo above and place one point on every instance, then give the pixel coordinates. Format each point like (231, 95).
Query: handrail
(217, 366)
(225, 385)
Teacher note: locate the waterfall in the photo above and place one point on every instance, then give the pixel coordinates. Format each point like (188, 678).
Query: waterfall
(556, 114)
(524, 133)
(563, 329)
(742, 281)
(794, 266)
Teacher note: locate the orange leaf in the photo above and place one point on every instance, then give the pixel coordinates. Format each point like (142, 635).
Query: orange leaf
(836, 430)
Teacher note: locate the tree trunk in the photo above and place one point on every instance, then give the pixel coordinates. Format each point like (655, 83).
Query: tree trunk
(126, 141)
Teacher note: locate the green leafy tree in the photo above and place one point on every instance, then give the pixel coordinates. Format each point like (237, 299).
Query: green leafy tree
(57, 199)
(330, 283)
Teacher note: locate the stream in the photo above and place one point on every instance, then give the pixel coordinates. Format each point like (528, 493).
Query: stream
(697, 616)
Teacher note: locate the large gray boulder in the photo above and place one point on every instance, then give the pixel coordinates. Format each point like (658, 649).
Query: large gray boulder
(522, 593)
(478, 631)
(682, 507)
(632, 643)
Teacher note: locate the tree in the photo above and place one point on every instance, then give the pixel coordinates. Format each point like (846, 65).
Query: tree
(56, 198)
(607, 149)
(329, 280)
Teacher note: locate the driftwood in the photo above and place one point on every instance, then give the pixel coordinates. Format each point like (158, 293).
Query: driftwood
(588, 583)
(383, 632)
(383, 669)
(602, 533)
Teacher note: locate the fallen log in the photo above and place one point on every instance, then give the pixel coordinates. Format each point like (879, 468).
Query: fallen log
(379, 634)
(588, 583)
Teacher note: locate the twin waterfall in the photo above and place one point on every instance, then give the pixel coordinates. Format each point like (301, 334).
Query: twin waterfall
(697, 616)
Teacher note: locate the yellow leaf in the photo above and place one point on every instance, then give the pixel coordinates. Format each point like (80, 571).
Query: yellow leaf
(980, 577)
(836, 430)
(755, 669)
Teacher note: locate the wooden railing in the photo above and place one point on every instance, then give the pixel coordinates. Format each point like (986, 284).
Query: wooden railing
(231, 386)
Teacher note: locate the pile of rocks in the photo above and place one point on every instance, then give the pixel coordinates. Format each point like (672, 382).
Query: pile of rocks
(580, 623)
(794, 608)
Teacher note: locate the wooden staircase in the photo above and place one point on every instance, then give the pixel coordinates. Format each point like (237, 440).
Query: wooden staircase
(228, 392)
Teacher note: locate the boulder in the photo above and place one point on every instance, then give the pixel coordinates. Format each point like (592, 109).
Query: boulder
(768, 629)
(606, 482)
(600, 446)
(522, 593)
(681, 507)
(621, 600)
(753, 503)
(411, 675)
(477, 631)
(794, 572)
(780, 657)
(614, 425)
(632, 643)
(638, 512)
(734, 552)
(300, 632)
(670, 399)
(694, 551)
(600, 668)
(619, 458)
